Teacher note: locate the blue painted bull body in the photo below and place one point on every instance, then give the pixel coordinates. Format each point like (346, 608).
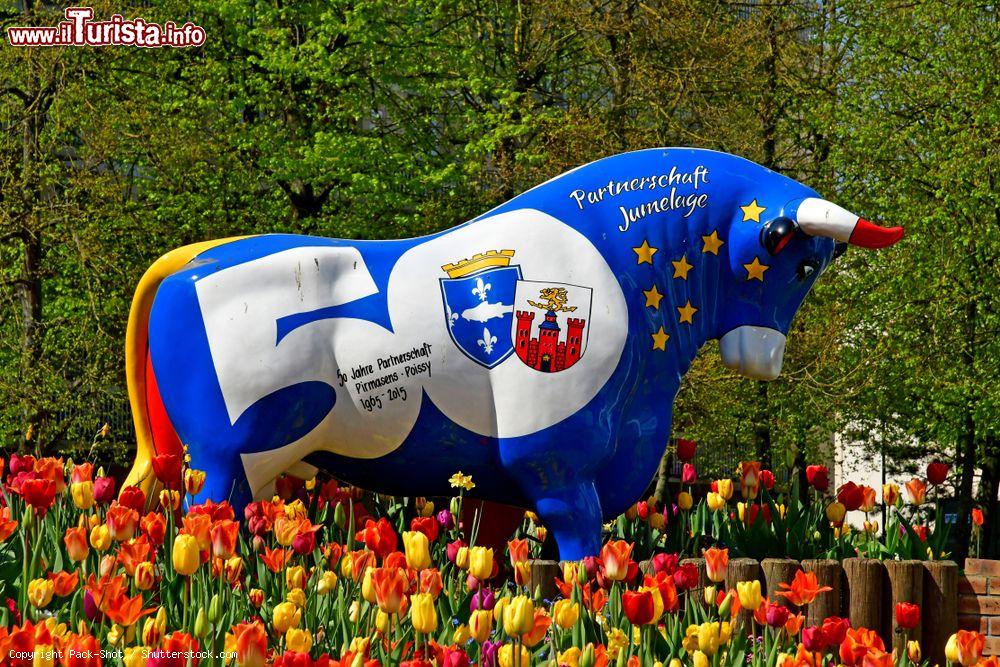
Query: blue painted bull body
(538, 348)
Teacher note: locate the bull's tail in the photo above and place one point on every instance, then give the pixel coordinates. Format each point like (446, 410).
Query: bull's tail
(154, 434)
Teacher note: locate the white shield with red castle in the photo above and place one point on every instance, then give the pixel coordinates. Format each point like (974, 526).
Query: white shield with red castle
(550, 326)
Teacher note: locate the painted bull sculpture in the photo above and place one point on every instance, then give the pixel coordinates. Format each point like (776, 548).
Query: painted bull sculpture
(538, 347)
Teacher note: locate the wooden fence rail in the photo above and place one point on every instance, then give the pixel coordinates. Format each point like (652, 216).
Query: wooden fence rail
(864, 590)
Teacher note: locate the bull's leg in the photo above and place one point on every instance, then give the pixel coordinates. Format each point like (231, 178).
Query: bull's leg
(573, 516)
(224, 477)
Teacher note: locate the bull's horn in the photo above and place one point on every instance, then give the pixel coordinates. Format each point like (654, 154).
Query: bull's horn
(818, 217)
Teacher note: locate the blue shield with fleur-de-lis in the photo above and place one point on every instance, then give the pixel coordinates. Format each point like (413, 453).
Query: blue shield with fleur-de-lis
(478, 310)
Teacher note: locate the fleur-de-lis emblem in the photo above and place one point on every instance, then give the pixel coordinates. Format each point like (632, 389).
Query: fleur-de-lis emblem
(481, 289)
(452, 317)
(487, 341)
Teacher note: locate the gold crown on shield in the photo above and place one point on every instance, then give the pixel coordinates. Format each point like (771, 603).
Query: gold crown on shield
(478, 262)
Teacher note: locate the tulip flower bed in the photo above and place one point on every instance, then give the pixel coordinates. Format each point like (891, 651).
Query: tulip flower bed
(328, 575)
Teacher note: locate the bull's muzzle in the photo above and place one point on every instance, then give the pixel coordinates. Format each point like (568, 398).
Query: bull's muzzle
(754, 352)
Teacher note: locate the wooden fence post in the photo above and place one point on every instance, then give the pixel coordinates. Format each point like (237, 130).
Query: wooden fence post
(828, 573)
(939, 611)
(743, 569)
(543, 576)
(906, 584)
(776, 571)
(864, 592)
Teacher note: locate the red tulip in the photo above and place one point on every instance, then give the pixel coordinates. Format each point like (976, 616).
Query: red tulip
(638, 606)
(767, 479)
(167, 468)
(39, 493)
(835, 628)
(776, 615)
(977, 517)
(427, 525)
(686, 449)
(689, 474)
(686, 576)
(132, 496)
(104, 490)
(814, 639)
(818, 477)
(378, 536)
(851, 496)
(907, 615)
(937, 472)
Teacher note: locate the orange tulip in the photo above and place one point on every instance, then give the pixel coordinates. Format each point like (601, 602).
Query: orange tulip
(76, 543)
(716, 562)
(541, 621)
(198, 526)
(133, 552)
(803, 589)
(251, 644)
(154, 526)
(890, 494)
(430, 582)
(7, 525)
(122, 522)
(868, 499)
(616, 557)
(749, 479)
(794, 624)
(518, 550)
(81, 651)
(125, 611)
(965, 647)
(390, 584)
(977, 520)
(857, 644)
(105, 589)
(65, 583)
(276, 559)
(916, 488)
(224, 535)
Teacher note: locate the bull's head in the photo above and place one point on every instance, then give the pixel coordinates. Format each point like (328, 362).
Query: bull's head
(795, 243)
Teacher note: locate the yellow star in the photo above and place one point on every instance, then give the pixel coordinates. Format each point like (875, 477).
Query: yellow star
(752, 211)
(682, 267)
(645, 252)
(755, 270)
(712, 243)
(660, 339)
(653, 297)
(687, 312)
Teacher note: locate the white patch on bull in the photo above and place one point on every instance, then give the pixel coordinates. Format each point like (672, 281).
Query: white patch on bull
(241, 305)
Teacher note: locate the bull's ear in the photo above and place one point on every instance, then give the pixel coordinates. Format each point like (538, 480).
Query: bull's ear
(776, 234)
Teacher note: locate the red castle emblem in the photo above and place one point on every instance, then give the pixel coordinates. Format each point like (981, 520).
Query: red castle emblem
(543, 343)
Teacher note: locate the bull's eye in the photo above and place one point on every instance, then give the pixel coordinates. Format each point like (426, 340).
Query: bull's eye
(806, 269)
(776, 234)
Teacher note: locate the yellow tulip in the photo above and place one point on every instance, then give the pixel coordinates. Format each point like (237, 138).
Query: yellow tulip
(499, 607)
(186, 555)
(286, 615)
(708, 638)
(297, 596)
(835, 512)
(327, 582)
(40, 592)
(715, 501)
(507, 657)
(461, 636)
(657, 520)
(100, 537)
(481, 562)
(700, 659)
(709, 595)
(519, 616)
(566, 613)
(44, 656)
(368, 587)
(145, 576)
(295, 577)
(725, 487)
(135, 656)
(154, 628)
(913, 651)
(462, 558)
(83, 494)
(570, 657)
(194, 480)
(480, 625)
(382, 621)
(298, 640)
(417, 548)
(749, 592)
(422, 613)
(684, 500)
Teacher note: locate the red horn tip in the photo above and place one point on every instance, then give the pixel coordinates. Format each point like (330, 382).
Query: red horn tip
(869, 235)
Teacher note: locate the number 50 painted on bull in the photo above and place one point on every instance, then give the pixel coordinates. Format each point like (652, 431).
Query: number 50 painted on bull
(538, 347)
